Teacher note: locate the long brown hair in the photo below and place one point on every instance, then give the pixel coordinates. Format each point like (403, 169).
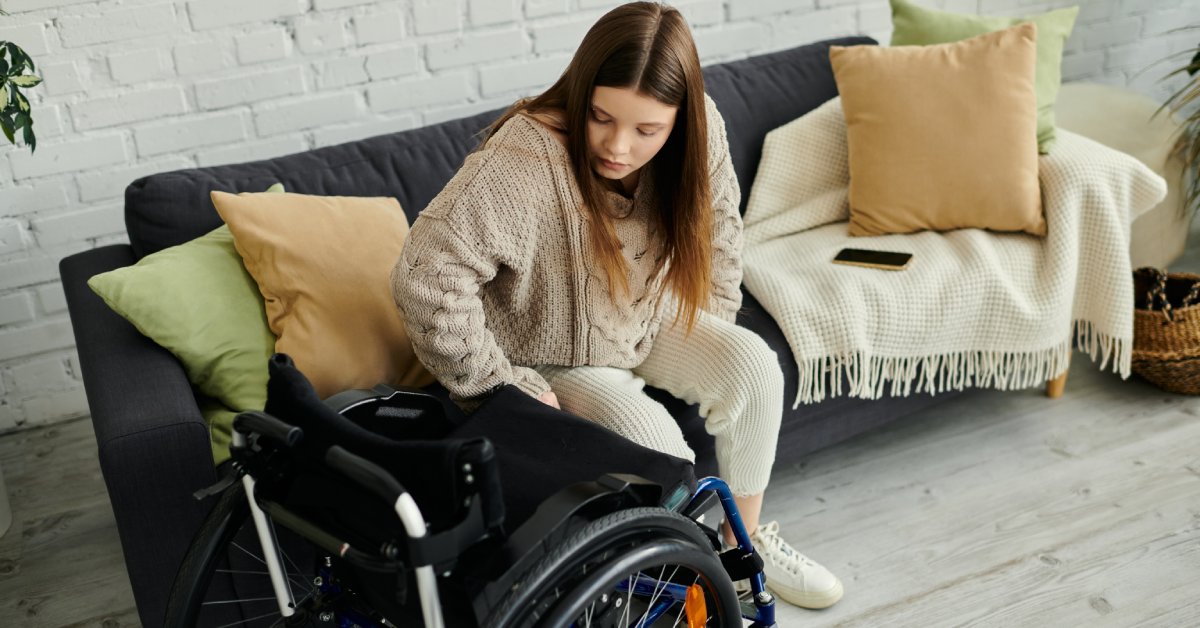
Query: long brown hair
(647, 47)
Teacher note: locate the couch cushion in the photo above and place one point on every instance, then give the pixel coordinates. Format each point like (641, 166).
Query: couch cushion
(323, 265)
(754, 95)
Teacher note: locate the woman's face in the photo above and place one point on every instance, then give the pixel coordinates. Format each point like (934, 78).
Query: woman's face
(627, 128)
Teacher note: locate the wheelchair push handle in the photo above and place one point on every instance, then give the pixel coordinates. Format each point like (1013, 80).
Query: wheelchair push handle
(377, 480)
(269, 426)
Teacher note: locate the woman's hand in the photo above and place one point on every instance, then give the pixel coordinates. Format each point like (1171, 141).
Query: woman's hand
(550, 399)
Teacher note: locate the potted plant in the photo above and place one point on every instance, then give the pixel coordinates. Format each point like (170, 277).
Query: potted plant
(16, 73)
(1187, 99)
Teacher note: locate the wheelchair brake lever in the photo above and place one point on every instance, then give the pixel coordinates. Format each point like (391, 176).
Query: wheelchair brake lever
(232, 475)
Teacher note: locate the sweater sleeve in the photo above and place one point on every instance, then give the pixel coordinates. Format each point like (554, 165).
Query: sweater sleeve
(450, 253)
(727, 220)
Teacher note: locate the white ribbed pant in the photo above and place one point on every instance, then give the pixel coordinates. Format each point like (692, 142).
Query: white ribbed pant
(728, 370)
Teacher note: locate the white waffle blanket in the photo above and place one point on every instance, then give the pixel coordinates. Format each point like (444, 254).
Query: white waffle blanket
(974, 308)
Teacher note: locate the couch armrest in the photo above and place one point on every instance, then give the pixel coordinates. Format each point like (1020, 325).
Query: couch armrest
(153, 444)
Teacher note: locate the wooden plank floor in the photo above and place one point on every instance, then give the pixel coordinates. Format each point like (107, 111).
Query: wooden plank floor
(60, 562)
(1009, 509)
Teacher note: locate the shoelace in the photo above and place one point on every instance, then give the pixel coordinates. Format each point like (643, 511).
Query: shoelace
(767, 538)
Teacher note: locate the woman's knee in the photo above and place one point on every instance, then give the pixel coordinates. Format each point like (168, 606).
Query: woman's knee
(751, 361)
(647, 423)
(615, 400)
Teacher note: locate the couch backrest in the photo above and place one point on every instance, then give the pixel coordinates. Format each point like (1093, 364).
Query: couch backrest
(755, 95)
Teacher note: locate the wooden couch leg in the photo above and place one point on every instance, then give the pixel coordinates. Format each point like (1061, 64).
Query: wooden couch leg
(1054, 387)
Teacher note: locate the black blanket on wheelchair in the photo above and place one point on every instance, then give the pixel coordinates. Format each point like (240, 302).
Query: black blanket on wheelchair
(538, 450)
(542, 450)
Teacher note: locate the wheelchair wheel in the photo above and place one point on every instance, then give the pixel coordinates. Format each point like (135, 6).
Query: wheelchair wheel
(223, 579)
(630, 567)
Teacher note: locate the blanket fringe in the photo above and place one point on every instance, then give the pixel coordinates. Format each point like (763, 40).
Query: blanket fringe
(869, 376)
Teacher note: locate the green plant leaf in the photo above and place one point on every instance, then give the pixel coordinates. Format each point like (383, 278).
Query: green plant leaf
(3, 95)
(18, 56)
(1187, 147)
(22, 102)
(7, 126)
(30, 139)
(26, 80)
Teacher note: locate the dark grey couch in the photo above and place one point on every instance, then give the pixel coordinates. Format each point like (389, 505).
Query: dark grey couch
(153, 444)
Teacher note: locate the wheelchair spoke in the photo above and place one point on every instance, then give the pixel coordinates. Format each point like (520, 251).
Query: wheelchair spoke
(251, 599)
(246, 621)
(248, 552)
(653, 596)
(287, 558)
(628, 600)
(587, 615)
(657, 592)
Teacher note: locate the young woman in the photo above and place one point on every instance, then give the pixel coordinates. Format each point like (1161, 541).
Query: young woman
(585, 217)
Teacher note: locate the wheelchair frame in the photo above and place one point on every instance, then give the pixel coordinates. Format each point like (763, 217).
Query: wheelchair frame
(740, 561)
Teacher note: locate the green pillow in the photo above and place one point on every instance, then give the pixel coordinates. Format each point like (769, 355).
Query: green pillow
(916, 26)
(197, 301)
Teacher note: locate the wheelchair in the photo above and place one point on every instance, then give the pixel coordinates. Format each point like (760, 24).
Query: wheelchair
(371, 508)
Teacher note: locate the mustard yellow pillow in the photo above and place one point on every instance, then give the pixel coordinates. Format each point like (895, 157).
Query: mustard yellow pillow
(913, 25)
(942, 137)
(323, 266)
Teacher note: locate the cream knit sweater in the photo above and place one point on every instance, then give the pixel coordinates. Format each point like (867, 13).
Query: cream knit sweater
(498, 272)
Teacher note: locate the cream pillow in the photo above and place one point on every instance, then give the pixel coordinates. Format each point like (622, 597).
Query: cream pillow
(944, 136)
(323, 265)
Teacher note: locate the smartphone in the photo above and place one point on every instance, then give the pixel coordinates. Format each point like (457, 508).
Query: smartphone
(886, 260)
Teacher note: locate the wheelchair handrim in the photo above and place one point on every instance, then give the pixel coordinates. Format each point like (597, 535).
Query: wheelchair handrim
(660, 554)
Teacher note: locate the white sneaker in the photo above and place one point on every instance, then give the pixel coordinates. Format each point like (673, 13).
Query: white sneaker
(791, 575)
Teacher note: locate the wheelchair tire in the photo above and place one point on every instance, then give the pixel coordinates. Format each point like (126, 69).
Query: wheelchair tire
(573, 577)
(200, 562)
(222, 582)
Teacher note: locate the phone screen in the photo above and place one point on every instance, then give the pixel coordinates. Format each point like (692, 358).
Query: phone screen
(881, 258)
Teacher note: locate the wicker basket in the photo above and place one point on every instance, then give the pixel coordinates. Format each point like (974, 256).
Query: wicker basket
(1166, 329)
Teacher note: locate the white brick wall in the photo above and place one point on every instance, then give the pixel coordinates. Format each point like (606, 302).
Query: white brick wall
(268, 45)
(102, 24)
(16, 308)
(140, 66)
(181, 134)
(136, 106)
(135, 87)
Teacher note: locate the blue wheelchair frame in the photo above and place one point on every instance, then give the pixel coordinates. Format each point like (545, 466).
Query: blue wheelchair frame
(761, 608)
